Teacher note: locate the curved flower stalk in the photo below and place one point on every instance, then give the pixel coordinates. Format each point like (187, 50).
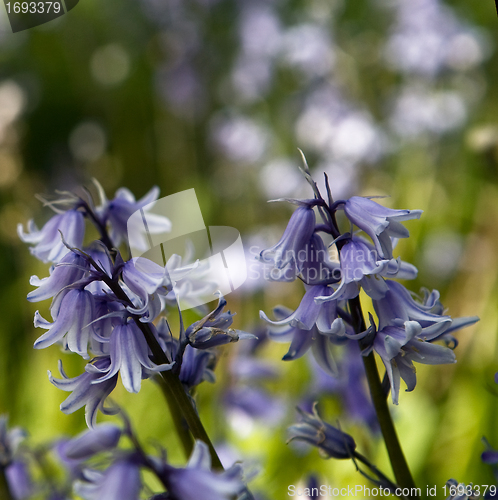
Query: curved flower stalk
(334, 443)
(330, 310)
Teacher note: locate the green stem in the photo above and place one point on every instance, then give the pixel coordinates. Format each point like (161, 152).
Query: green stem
(387, 483)
(189, 413)
(4, 487)
(181, 426)
(181, 408)
(398, 462)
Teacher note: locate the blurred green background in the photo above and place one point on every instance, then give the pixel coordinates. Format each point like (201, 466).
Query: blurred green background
(388, 97)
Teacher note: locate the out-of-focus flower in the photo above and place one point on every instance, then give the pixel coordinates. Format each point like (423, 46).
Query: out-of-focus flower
(19, 480)
(119, 210)
(197, 480)
(12, 463)
(428, 38)
(102, 437)
(120, 481)
(10, 439)
(196, 367)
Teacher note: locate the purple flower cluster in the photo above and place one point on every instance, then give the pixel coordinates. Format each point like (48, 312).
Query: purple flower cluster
(112, 313)
(407, 327)
(98, 469)
(102, 304)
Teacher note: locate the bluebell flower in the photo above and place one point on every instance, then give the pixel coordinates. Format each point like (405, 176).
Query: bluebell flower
(197, 367)
(48, 244)
(289, 254)
(490, 457)
(380, 223)
(19, 480)
(197, 480)
(255, 403)
(76, 313)
(215, 329)
(430, 300)
(313, 487)
(103, 437)
(10, 439)
(317, 267)
(331, 442)
(11, 463)
(71, 268)
(109, 314)
(73, 466)
(407, 329)
(350, 385)
(87, 390)
(129, 354)
(120, 481)
(398, 306)
(119, 210)
(311, 312)
(144, 278)
(399, 347)
(359, 267)
(302, 340)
